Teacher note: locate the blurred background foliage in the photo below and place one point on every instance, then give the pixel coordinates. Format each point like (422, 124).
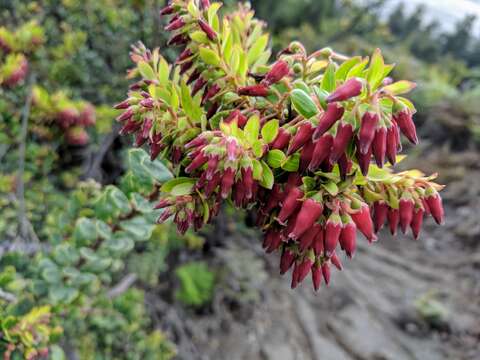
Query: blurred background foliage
(92, 250)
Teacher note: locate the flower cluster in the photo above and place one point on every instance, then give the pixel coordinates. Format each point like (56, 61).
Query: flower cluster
(70, 117)
(14, 46)
(303, 142)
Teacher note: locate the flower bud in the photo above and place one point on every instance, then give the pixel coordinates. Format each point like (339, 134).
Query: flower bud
(167, 10)
(307, 239)
(321, 152)
(345, 165)
(306, 155)
(326, 272)
(207, 29)
(333, 228)
(380, 146)
(367, 131)
(247, 179)
(193, 76)
(319, 242)
(177, 40)
(199, 84)
(290, 204)
(303, 134)
(316, 276)
(435, 206)
(403, 117)
(286, 261)
(304, 268)
(212, 184)
(380, 210)
(333, 113)
(125, 104)
(393, 216)
(363, 159)
(340, 143)
(204, 4)
(364, 222)
(274, 198)
(276, 73)
(348, 238)
(273, 240)
(184, 55)
(336, 261)
(392, 143)
(282, 140)
(185, 67)
(227, 181)
(125, 115)
(253, 90)
(406, 211)
(210, 93)
(351, 88)
(417, 221)
(175, 24)
(309, 213)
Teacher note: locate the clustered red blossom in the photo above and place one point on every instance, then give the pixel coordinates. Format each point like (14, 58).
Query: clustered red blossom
(300, 214)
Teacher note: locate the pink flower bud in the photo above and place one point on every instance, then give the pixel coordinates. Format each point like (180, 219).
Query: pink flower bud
(290, 204)
(122, 105)
(351, 88)
(130, 127)
(198, 161)
(340, 143)
(392, 144)
(177, 40)
(273, 240)
(175, 24)
(307, 239)
(295, 275)
(348, 238)
(367, 131)
(282, 140)
(336, 261)
(304, 268)
(403, 117)
(212, 166)
(274, 198)
(212, 91)
(163, 203)
(184, 55)
(363, 159)
(165, 215)
(321, 152)
(406, 213)
(417, 221)
(434, 202)
(276, 73)
(345, 166)
(393, 216)
(227, 182)
(207, 29)
(147, 103)
(155, 150)
(319, 242)
(316, 276)
(364, 222)
(167, 10)
(306, 155)
(326, 272)
(333, 228)
(212, 184)
(380, 210)
(253, 90)
(303, 134)
(309, 213)
(286, 261)
(126, 115)
(247, 179)
(185, 67)
(232, 149)
(333, 113)
(193, 76)
(380, 146)
(204, 4)
(199, 84)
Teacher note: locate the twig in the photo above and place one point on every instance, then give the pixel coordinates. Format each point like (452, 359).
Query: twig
(122, 286)
(22, 214)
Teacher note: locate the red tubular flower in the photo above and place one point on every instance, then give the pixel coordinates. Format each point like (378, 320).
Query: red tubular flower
(380, 210)
(417, 221)
(295, 275)
(326, 272)
(333, 228)
(282, 140)
(232, 148)
(163, 203)
(319, 242)
(167, 10)
(212, 166)
(147, 103)
(380, 146)
(392, 145)
(286, 261)
(212, 109)
(227, 181)
(253, 90)
(336, 261)
(345, 165)
(205, 4)
(435, 206)
(247, 179)
(125, 115)
(177, 40)
(406, 213)
(212, 91)
(238, 116)
(199, 84)
(309, 213)
(193, 76)
(273, 240)
(184, 55)
(304, 133)
(321, 152)
(403, 117)
(348, 238)
(130, 127)
(393, 216)
(307, 239)
(333, 113)
(306, 155)
(276, 73)
(122, 105)
(367, 131)
(212, 184)
(290, 204)
(185, 67)
(304, 268)
(364, 222)
(316, 276)
(340, 143)
(198, 161)
(207, 29)
(175, 24)
(351, 88)
(274, 198)
(294, 179)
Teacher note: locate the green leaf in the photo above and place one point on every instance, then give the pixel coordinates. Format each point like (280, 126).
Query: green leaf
(257, 49)
(275, 158)
(400, 87)
(376, 69)
(331, 187)
(328, 80)
(169, 185)
(199, 37)
(257, 169)
(193, 110)
(270, 131)
(184, 188)
(52, 275)
(146, 70)
(118, 199)
(267, 176)
(343, 70)
(163, 71)
(139, 227)
(303, 103)
(252, 128)
(292, 163)
(62, 294)
(209, 56)
(356, 71)
(85, 231)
